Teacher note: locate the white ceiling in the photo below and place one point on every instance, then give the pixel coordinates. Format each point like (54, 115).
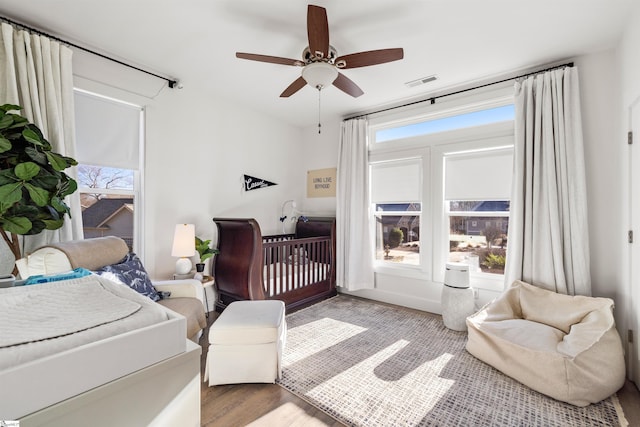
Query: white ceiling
(461, 41)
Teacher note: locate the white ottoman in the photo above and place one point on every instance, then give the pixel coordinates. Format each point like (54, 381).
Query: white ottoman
(246, 343)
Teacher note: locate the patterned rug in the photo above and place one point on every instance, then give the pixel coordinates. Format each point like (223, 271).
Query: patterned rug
(370, 364)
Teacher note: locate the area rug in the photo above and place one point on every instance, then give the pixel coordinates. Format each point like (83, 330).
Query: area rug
(372, 364)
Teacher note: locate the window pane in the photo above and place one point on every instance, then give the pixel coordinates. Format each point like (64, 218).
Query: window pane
(108, 215)
(398, 236)
(479, 240)
(398, 207)
(103, 177)
(479, 205)
(476, 118)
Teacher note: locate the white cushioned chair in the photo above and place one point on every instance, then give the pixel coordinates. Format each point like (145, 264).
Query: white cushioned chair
(93, 254)
(566, 347)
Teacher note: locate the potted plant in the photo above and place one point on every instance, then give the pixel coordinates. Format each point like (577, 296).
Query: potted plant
(32, 182)
(205, 251)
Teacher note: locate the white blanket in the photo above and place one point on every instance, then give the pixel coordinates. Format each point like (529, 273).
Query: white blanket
(51, 310)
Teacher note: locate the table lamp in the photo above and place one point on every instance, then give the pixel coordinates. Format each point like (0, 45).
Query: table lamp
(184, 246)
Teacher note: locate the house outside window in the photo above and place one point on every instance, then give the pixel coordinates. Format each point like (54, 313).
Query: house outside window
(109, 143)
(107, 197)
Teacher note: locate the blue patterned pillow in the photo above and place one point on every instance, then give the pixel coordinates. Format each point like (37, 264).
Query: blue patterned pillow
(130, 272)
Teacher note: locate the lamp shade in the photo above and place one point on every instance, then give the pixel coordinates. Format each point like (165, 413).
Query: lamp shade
(184, 241)
(319, 74)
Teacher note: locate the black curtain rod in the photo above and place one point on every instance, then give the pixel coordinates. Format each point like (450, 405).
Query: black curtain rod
(433, 98)
(170, 82)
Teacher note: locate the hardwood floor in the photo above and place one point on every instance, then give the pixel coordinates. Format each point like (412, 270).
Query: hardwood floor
(271, 405)
(629, 397)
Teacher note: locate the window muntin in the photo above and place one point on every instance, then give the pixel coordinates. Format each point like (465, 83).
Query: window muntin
(442, 124)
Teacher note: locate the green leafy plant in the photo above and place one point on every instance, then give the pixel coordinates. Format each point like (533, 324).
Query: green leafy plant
(396, 236)
(32, 182)
(204, 249)
(494, 261)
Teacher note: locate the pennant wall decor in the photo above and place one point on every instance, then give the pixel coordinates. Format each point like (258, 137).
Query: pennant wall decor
(253, 183)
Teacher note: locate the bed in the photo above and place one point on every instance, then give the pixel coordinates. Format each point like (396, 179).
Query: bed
(55, 356)
(297, 268)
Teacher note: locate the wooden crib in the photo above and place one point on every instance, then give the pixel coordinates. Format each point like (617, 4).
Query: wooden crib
(297, 268)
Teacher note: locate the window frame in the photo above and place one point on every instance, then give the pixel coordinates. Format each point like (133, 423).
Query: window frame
(418, 161)
(138, 175)
(431, 149)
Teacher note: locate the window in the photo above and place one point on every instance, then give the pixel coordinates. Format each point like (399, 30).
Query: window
(395, 193)
(457, 121)
(108, 143)
(443, 194)
(477, 192)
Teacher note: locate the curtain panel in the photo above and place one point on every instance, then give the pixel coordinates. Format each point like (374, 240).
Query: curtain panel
(354, 250)
(36, 73)
(548, 231)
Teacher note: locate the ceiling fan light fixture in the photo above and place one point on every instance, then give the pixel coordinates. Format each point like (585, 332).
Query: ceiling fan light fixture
(319, 74)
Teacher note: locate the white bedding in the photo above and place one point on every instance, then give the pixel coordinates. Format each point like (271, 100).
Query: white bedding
(44, 319)
(294, 276)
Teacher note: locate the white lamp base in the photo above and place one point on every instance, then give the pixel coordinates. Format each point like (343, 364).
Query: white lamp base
(183, 265)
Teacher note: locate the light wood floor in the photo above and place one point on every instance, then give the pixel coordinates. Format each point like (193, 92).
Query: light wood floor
(273, 406)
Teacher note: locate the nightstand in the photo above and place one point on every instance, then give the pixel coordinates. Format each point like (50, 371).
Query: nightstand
(207, 282)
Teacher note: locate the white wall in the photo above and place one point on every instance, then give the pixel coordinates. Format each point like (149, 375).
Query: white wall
(198, 149)
(605, 150)
(320, 152)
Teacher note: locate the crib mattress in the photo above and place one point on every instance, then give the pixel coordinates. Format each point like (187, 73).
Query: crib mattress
(44, 367)
(279, 278)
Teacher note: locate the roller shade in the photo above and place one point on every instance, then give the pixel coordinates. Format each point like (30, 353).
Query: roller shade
(482, 175)
(396, 181)
(107, 132)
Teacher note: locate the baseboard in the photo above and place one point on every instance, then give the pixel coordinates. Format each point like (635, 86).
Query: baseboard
(412, 301)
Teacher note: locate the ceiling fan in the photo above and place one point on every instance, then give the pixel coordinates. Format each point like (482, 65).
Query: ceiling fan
(320, 60)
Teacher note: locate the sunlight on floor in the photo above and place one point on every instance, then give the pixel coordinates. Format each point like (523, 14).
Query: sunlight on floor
(287, 414)
(340, 331)
(362, 395)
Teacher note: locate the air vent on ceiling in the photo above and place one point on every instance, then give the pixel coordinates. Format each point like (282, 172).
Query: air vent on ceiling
(421, 81)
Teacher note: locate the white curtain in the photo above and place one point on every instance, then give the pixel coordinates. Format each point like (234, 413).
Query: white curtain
(35, 73)
(354, 243)
(548, 232)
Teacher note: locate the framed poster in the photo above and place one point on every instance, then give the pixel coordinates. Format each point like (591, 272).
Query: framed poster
(321, 183)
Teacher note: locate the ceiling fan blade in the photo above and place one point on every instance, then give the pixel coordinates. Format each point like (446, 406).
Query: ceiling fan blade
(370, 57)
(269, 59)
(293, 87)
(318, 30)
(346, 85)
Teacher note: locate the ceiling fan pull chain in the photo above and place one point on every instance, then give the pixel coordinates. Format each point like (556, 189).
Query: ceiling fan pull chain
(319, 125)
